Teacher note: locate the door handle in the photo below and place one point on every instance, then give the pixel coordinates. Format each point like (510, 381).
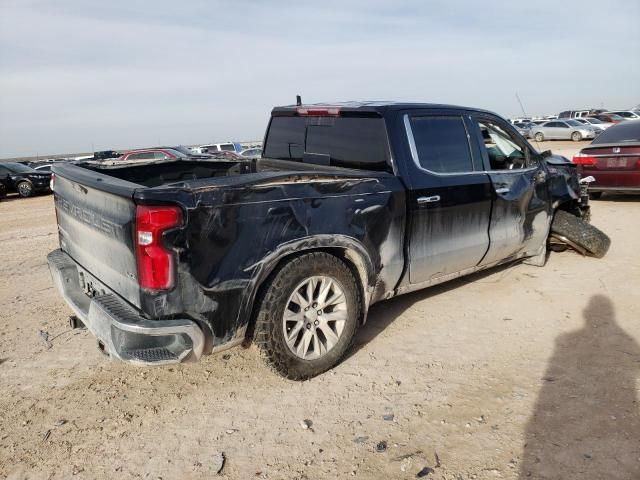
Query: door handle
(502, 191)
(425, 200)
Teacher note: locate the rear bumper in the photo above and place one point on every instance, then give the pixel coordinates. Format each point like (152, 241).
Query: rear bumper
(124, 333)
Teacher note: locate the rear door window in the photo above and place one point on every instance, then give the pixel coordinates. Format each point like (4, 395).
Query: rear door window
(441, 144)
(351, 142)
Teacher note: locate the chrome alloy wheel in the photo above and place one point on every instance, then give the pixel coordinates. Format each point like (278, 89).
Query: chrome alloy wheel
(314, 317)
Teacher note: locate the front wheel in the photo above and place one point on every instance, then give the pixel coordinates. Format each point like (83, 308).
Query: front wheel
(308, 315)
(580, 235)
(25, 189)
(539, 137)
(576, 136)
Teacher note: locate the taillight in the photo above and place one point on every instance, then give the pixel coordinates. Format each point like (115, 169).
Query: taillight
(52, 181)
(155, 262)
(318, 111)
(583, 159)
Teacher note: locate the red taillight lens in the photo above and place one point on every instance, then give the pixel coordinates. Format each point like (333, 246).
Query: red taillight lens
(155, 262)
(583, 159)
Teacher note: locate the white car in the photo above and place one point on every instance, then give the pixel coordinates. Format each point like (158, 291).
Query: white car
(220, 147)
(251, 153)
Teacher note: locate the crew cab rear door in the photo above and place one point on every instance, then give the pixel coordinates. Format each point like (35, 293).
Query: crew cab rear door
(521, 212)
(449, 199)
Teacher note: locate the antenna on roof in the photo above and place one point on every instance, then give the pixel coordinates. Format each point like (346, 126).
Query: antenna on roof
(298, 100)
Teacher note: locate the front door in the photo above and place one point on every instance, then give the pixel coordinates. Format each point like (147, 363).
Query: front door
(449, 197)
(521, 212)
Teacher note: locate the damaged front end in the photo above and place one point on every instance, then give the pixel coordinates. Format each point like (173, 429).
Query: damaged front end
(568, 191)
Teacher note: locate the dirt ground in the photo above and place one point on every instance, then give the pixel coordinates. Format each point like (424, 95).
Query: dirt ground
(518, 372)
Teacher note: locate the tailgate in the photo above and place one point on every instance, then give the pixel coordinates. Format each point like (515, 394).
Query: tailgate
(96, 222)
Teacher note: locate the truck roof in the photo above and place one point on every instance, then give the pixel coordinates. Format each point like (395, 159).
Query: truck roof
(365, 107)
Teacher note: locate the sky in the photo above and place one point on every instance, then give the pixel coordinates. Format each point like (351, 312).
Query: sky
(82, 75)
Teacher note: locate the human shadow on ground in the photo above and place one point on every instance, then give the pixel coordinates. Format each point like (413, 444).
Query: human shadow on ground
(586, 420)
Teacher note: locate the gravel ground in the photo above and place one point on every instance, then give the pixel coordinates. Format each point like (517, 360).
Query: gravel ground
(517, 372)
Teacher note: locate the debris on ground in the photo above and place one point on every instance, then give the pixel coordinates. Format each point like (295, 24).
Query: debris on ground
(360, 439)
(381, 446)
(218, 461)
(407, 455)
(388, 417)
(44, 335)
(424, 472)
(306, 424)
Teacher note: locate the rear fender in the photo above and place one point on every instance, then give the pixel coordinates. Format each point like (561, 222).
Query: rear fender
(352, 252)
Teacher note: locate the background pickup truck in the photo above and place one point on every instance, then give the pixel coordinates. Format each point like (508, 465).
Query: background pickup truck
(350, 204)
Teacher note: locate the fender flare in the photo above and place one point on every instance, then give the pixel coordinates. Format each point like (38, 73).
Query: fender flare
(352, 251)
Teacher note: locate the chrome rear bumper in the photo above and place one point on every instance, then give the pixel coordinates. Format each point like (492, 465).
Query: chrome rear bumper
(123, 332)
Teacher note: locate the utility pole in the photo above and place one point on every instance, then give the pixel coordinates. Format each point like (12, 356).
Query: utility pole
(521, 106)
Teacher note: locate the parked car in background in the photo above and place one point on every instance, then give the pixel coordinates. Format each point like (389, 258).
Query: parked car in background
(45, 167)
(608, 117)
(524, 128)
(106, 154)
(221, 147)
(251, 153)
(600, 123)
(597, 127)
(24, 180)
(626, 114)
(613, 159)
(3, 186)
(580, 113)
(157, 153)
(567, 129)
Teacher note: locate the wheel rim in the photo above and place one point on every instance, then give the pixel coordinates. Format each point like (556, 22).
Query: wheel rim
(539, 137)
(314, 317)
(24, 189)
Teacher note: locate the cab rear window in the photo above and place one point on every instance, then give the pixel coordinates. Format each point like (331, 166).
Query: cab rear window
(351, 142)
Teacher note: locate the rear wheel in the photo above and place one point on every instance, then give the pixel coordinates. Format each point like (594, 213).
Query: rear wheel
(25, 189)
(539, 137)
(308, 315)
(576, 136)
(579, 235)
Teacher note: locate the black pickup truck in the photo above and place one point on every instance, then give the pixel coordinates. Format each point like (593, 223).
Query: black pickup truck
(350, 204)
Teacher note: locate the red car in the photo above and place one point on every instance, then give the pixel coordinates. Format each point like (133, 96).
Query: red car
(153, 154)
(613, 159)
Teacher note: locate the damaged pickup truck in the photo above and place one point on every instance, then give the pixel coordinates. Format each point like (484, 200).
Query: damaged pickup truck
(350, 204)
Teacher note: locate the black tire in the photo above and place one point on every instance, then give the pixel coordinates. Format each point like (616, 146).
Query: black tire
(269, 334)
(576, 136)
(539, 137)
(25, 189)
(595, 195)
(583, 235)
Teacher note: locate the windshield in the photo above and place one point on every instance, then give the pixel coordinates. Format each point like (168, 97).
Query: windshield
(595, 121)
(615, 117)
(19, 168)
(573, 123)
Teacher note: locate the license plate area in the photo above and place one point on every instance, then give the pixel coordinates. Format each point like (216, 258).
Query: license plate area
(90, 285)
(616, 162)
